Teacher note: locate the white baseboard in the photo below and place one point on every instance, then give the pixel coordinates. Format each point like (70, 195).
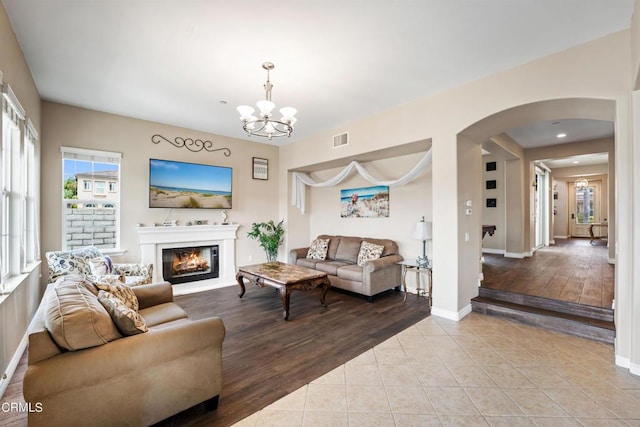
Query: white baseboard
(634, 369)
(13, 364)
(611, 260)
(560, 237)
(493, 251)
(514, 255)
(451, 315)
(623, 362)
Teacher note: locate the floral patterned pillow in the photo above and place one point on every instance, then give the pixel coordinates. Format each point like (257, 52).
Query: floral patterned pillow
(63, 263)
(369, 252)
(134, 269)
(318, 249)
(120, 291)
(128, 321)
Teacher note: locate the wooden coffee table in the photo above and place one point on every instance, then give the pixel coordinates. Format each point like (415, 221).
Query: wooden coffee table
(285, 278)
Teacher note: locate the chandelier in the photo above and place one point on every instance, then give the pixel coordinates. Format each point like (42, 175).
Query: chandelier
(264, 125)
(582, 183)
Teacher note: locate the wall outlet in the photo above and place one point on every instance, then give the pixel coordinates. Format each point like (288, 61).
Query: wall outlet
(468, 203)
(468, 211)
(466, 236)
(250, 257)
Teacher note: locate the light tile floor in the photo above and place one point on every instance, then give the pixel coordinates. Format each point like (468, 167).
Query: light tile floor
(481, 371)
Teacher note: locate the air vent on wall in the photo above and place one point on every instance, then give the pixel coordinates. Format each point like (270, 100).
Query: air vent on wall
(340, 140)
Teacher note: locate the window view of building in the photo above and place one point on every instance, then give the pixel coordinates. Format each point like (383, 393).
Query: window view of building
(91, 199)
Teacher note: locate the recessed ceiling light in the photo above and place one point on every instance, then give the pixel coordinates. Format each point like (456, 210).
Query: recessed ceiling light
(561, 135)
(575, 162)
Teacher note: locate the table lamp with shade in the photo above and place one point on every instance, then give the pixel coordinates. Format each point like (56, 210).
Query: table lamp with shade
(423, 232)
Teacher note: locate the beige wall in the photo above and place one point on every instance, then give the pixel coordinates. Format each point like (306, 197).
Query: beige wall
(494, 216)
(635, 45)
(469, 219)
(16, 72)
(63, 125)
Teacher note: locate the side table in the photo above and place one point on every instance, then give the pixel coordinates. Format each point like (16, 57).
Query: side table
(413, 266)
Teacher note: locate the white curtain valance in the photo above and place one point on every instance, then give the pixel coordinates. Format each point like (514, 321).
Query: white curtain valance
(300, 180)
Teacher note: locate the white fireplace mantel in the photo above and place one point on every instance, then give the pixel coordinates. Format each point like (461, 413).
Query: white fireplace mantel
(154, 239)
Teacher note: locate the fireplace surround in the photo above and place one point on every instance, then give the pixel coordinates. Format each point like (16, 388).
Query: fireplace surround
(154, 239)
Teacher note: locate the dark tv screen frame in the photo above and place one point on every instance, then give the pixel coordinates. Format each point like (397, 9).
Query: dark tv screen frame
(174, 184)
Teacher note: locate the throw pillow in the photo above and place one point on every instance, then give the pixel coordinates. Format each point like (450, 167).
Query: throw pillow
(318, 249)
(369, 252)
(75, 318)
(123, 292)
(128, 321)
(99, 266)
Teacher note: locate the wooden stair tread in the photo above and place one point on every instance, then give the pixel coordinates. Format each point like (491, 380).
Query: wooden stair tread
(545, 312)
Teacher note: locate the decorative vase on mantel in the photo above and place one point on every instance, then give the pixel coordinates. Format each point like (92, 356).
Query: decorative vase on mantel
(269, 234)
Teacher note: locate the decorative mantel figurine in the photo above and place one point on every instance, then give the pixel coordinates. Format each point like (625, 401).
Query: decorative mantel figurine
(224, 218)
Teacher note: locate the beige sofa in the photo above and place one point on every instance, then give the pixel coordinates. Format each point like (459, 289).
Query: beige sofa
(135, 380)
(341, 266)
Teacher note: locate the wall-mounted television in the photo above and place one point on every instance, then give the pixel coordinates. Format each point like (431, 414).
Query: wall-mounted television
(188, 185)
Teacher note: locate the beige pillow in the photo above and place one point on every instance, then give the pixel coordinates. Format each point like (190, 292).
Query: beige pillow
(318, 249)
(369, 252)
(120, 291)
(74, 316)
(128, 321)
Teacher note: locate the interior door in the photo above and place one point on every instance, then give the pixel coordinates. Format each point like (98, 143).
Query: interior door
(584, 208)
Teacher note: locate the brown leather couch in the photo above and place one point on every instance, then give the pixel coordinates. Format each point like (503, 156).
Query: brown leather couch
(135, 380)
(341, 265)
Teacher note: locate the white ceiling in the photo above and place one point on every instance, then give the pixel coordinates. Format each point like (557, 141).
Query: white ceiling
(173, 61)
(577, 161)
(546, 133)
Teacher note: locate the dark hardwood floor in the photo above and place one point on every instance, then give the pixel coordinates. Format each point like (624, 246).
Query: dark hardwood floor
(265, 357)
(572, 270)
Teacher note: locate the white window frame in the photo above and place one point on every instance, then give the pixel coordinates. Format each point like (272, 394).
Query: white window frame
(97, 156)
(86, 185)
(31, 238)
(13, 186)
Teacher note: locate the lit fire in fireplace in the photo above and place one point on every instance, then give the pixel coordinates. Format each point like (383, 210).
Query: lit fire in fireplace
(189, 261)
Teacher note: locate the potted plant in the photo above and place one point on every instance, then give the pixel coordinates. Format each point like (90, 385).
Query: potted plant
(269, 235)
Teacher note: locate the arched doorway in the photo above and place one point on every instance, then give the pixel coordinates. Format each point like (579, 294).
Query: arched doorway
(517, 188)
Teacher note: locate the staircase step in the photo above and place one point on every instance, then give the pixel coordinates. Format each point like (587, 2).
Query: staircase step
(586, 327)
(582, 310)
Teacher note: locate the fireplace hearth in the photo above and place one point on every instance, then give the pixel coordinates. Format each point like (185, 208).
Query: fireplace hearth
(190, 264)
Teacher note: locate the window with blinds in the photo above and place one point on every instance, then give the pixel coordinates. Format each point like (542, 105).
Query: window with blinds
(91, 198)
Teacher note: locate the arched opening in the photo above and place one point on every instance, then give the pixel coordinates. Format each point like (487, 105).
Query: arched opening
(527, 171)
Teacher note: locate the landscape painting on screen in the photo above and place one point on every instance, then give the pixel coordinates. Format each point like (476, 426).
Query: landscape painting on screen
(366, 202)
(188, 185)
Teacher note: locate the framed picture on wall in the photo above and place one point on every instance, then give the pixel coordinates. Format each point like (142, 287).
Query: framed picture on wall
(365, 202)
(492, 203)
(491, 184)
(491, 166)
(260, 168)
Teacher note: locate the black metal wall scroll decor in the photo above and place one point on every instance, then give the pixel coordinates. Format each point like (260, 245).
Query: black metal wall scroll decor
(191, 144)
